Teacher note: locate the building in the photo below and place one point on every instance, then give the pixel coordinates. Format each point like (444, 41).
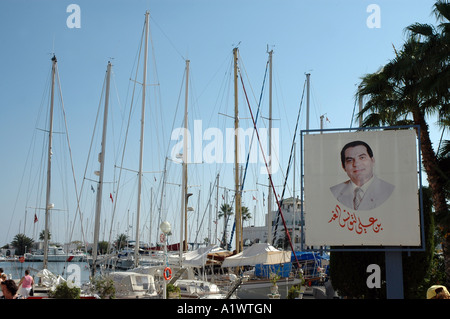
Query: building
(259, 234)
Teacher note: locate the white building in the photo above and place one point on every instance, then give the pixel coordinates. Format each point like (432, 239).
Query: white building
(259, 234)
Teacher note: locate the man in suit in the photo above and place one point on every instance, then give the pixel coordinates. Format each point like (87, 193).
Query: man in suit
(363, 191)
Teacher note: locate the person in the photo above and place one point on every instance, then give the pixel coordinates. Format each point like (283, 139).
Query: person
(27, 283)
(364, 190)
(9, 289)
(3, 277)
(438, 292)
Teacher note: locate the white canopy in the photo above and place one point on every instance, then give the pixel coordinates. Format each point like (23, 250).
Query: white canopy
(199, 257)
(261, 253)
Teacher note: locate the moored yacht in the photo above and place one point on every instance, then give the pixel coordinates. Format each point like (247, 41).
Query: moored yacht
(55, 254)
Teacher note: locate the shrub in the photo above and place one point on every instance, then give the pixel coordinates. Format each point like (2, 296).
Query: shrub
(63, 291)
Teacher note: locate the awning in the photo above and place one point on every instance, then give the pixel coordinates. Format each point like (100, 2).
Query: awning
(261, 253)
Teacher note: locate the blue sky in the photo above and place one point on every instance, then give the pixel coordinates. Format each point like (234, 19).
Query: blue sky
(332, 40)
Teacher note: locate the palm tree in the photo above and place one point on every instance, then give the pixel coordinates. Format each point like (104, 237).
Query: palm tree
(42, 235)
(121, 241)
(410, 87)
(21, 243)
(246, 215)
(225, 211)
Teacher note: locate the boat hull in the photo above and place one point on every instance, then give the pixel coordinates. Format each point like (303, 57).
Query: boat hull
(261, 289)
(56, 258)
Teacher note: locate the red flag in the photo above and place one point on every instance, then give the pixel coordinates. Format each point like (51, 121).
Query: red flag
(35, 218)
(110, 196)
(254, 198)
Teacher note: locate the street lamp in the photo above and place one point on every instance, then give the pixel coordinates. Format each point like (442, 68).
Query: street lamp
(166, 229)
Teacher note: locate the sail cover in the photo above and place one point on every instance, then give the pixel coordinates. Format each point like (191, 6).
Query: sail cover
(261, 253)
(199, 257)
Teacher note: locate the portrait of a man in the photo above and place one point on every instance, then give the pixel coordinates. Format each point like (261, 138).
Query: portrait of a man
(364, 190)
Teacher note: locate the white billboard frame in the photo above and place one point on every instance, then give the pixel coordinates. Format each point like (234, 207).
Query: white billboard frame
(334, 214)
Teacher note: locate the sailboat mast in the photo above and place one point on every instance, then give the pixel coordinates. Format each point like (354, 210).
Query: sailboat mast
(236, 156)
(216, 220)
(48, 205)
(185, 159)
(101, 159)
(308, 76)
(269, 197)
(141, 151)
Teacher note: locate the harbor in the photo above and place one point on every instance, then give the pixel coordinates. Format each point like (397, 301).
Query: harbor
(173, 158)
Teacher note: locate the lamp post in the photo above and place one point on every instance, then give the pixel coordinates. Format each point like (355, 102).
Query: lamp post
(165, 229)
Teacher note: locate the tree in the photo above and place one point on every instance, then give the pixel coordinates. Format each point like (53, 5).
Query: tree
(121, 241)
(225, 211)
(103, 247)
(245, 212)
(411, 87)
(21, 243)
(42, 235)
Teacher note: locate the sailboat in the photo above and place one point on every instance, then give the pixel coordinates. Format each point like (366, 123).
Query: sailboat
(132, 284)
(51, 253)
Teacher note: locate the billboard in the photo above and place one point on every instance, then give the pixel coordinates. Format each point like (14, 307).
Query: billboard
(361, 188)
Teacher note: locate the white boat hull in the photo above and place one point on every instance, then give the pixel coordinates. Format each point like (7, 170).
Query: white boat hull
(56, 258)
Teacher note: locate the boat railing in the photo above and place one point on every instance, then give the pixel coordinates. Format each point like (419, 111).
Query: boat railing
(312, 270)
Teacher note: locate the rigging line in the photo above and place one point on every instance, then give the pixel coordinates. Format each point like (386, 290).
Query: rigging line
(68, 142)
(156, 76)
(289, 162)
(353, 114)
(163, 181)
(171, 43)
(178, 105)
(440, 141)
(211, 191)
(125, 139)
(79, 210)
(33, 141)
(270, 178)
(251, 143)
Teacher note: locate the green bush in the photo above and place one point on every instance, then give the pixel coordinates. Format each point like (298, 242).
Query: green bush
(63, 291)
(104, 287)
(172, 289)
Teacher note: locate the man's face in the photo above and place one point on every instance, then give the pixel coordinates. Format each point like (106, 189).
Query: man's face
(358, 164)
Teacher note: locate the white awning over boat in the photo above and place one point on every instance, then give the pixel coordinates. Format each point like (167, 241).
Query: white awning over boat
(261, 253)
(199, 257)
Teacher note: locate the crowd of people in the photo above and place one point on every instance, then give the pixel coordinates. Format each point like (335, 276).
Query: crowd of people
(12, 290)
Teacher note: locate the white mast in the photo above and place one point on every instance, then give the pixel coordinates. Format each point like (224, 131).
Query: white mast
(217, 209)
(238, 211)
(48, 205)
(141, 151)
(269, 197)
(294, 200)
(308, 75)
(101, 159)
(185, 196)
